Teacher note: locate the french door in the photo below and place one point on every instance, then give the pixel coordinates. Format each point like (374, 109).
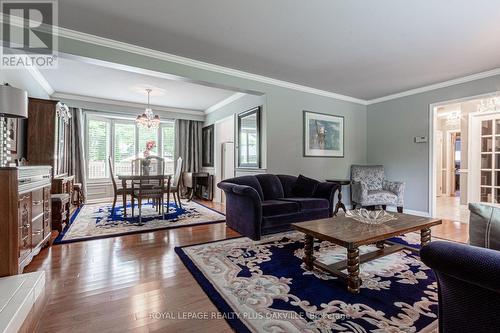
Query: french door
(489, 135)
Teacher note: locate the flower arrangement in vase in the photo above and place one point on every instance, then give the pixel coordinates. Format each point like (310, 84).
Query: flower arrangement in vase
(149, 146)
(146, 153)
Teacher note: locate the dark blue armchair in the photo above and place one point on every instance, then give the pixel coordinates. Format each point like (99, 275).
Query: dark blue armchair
(266, 204)
(469, 286)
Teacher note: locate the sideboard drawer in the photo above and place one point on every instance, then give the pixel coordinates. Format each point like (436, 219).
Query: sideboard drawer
(37, 202)
(37, 231)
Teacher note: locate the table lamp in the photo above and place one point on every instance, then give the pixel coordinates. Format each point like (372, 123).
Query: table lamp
(13, 104)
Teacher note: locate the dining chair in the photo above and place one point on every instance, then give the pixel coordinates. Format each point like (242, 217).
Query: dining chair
(151, 186)
(176, 183)
(117, 190)
(135, 165)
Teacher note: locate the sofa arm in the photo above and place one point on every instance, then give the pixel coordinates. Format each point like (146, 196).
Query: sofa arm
(243, 209)
(471, 264)
(359, 192)
(397, 188)
(326, 191)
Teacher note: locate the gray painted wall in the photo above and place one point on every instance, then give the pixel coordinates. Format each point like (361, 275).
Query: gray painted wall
(392, 125)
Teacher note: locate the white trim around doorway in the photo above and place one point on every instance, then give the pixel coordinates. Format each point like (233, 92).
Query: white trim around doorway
(432, 139)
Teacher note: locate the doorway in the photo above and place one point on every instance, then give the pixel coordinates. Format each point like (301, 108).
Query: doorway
(448, 169)
(224, 153)
(465, 145)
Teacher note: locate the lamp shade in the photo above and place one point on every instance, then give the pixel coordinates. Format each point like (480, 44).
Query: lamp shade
(13, 102)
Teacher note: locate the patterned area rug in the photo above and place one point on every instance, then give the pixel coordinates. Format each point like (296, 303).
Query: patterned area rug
(264, 287)
(96, 220)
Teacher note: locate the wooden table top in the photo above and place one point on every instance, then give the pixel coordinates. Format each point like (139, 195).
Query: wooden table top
(348, 232)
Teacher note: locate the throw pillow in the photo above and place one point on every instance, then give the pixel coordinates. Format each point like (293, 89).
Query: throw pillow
(304, 187)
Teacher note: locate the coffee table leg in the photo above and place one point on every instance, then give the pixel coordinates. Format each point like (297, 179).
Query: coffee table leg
(308, 251)
(425, 236)
(353, 281)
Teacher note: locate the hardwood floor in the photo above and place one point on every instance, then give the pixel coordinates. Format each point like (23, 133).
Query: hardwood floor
(119, 284)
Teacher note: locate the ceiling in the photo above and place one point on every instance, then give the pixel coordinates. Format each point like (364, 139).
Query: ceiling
(84, 79)
(360, 48)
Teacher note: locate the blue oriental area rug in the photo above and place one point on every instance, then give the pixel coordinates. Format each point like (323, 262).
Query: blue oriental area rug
(97, 221)
(264, 287)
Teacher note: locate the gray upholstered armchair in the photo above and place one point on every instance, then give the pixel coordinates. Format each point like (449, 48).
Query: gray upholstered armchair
(370, 188)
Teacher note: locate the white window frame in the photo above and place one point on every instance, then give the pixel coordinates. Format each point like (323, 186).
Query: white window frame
(112, 120)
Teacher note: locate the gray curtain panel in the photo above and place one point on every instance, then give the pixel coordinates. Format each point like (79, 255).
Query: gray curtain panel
(76, 154)
(188, 144)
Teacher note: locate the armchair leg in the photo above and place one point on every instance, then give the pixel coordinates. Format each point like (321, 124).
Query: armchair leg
(400, 209)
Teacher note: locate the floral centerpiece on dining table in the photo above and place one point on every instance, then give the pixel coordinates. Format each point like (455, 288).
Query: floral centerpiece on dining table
(146, 153)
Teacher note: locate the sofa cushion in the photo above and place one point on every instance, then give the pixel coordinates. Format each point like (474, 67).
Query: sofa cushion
(271, 186)
(248, 181)
(381, 197)
(278, 207)
(287, 182)
(309, 203)
(304, 187)
(484, 226)
(279, 223)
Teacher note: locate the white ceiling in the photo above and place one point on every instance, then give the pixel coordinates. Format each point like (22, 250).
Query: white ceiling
(84, 79)
(360, 48)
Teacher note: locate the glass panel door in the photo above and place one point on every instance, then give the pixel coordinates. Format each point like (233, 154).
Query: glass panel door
(490, 160)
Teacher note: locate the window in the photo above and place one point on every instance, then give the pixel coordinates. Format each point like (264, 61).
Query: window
(124, 147)
(124, 141)
(98, 132)
(168, 139)
(248, 139)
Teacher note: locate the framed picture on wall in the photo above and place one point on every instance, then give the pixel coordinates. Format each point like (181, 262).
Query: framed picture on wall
(207, 134)
(12, 127)
(323, 135)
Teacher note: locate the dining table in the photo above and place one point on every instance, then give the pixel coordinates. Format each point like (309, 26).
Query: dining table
(127, 178)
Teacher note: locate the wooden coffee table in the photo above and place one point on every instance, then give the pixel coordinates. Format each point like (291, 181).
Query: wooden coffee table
(351, 234)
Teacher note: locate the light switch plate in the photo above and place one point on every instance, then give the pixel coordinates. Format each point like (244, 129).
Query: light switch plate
(420, 139)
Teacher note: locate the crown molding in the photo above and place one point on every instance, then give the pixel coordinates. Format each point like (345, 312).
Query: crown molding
(114, 102)
(40, 79)
(224, 102)
(435, 86)
(106, 42)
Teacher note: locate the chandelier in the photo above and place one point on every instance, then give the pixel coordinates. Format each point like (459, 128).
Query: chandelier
(489, 105)
(148, 119)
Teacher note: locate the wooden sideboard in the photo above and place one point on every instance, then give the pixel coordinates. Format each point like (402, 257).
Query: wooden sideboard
(25, 221)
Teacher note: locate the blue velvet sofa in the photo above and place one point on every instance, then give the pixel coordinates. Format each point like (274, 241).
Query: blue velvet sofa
(266, 203)
(468, 286)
